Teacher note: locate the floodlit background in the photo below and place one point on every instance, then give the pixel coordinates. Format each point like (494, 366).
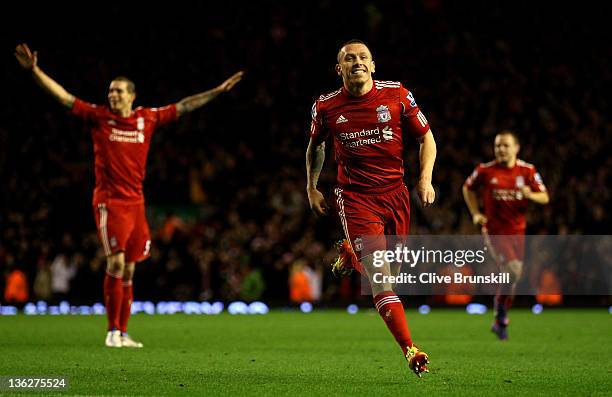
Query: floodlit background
(225, 184)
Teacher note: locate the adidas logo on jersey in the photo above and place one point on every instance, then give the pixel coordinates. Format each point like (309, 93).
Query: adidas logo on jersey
(341, 119)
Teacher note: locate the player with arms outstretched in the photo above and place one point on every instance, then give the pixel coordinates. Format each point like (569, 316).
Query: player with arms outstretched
(506, 186)
(370, 122)
(121, 137)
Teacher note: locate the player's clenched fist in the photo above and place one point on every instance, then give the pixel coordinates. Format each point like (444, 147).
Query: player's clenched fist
(479, 219)
(317, 202)
(426, 192)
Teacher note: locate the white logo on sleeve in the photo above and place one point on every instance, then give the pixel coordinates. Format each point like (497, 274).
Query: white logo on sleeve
(341, 119)
(410, 97)
(538, 178)
(147, 248)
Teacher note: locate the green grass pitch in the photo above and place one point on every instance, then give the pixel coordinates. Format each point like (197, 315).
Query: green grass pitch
(324, 353)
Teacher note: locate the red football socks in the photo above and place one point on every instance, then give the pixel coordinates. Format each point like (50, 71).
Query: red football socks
(391, 310)
(113, 293)
(126, 305)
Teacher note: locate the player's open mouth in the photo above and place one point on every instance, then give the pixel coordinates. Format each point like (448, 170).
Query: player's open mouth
(358, 71)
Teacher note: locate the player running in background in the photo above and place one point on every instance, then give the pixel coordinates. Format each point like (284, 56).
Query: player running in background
(121, 137)
(370, 121)
(506, 186)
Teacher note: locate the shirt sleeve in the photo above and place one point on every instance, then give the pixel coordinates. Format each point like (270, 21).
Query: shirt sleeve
(318, 132)
(84, 110)
(535, 181)
(412, 119)
(474, 181)
(164, 115)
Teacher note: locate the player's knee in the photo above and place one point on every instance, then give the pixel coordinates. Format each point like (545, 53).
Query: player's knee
(380, 279)
(115, 263)
(514, 269)
(128, 271)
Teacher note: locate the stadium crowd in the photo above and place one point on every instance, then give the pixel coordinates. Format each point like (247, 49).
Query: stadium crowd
(226, 186)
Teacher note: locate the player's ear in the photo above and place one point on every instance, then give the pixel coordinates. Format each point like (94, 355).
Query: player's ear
(373, 66)
(339, 69)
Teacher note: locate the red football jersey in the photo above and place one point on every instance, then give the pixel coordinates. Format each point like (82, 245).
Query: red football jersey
(121, 146)
(368, 133)
(504, 204)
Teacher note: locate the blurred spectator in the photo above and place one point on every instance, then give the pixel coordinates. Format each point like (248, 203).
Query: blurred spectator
(172, 225)
(253, 285)
(42, 282)
(549, 289)
(300, 289)
(16, 289)
(62, 271)
(315, 281)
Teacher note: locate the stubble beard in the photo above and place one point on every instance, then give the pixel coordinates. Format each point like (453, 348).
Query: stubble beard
(355, 86)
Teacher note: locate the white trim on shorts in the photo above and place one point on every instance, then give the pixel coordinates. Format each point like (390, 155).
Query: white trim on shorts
(104, 229)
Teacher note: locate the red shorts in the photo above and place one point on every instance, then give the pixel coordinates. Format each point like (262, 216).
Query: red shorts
(375, 215)
(123, 228)
(508, 247)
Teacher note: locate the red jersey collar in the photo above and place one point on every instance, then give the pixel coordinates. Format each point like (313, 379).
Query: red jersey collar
(364, 97)
(503, 167)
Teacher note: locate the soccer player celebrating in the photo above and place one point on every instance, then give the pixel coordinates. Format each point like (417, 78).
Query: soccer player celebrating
(369, 121)
(506, 186)
(121, 137)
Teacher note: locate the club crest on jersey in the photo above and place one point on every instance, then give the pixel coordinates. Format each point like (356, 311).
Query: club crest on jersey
(520, 181)
(383, 114)
(140, 123)
(494, 181)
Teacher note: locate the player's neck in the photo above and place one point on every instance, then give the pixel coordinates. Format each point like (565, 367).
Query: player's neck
(508, 164)
(125, 113)
(359, 89)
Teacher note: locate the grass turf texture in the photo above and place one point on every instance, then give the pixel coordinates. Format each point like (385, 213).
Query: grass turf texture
(560, 352)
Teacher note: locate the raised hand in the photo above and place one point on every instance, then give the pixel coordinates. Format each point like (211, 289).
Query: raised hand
(25, 57)
(231, 82)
